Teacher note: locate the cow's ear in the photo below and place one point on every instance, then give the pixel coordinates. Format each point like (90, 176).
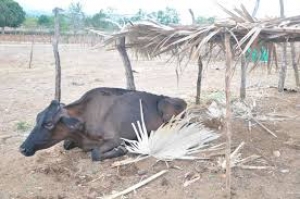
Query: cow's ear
(72, 123)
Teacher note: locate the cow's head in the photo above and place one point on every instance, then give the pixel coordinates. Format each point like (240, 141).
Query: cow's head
(169, 107)
(52, 126)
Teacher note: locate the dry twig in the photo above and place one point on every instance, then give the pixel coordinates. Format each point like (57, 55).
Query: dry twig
(136, 186)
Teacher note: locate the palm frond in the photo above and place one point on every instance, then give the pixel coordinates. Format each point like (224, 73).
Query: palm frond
(177, 139)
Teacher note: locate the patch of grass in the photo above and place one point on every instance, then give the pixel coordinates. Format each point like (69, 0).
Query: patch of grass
(23, 126)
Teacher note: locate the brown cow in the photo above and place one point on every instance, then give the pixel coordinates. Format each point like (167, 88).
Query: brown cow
(98, 120)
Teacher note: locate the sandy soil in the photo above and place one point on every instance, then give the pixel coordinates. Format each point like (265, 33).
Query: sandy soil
(56, 174)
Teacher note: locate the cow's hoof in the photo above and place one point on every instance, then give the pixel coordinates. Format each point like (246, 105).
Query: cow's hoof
(68, 145)
(96, 156)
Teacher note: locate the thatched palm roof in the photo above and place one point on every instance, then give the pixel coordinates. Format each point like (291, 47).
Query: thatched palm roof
(153, 39)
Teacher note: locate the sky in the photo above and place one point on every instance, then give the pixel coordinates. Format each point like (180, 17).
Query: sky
(268, 8)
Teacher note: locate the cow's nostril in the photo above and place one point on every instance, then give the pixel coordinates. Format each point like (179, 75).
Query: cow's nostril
(22, 150)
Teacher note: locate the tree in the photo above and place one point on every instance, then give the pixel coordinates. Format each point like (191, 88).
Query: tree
(30, 22)
(139, 16)
(44, 20)
(12, 14)
(77, 16)
(205, 20)
(102, 20)
(166, 17)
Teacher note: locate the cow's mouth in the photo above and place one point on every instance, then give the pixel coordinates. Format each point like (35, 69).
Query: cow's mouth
(26, 152)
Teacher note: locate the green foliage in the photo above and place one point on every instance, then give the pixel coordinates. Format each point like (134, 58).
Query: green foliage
(107, 19)
(103, 20)
(12, 14)
(45, 20)
(139, 16)
(76, 16)
(30, 22)
(48, 22)
(166, 17)
(205, 20)
(23, 126)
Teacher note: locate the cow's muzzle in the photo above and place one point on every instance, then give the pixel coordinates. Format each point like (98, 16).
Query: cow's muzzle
(26, 151)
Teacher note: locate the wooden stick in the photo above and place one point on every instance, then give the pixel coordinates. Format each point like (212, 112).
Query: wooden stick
(228, 113)
(128, 161)
(138, 185)
(264, 127)
(254, 167)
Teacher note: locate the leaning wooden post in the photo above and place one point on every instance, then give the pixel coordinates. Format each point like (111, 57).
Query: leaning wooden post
(295, 67)
(120, 43)
(228, 113)
(55, 41)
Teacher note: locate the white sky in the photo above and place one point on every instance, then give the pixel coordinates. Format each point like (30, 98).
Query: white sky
(200, 7)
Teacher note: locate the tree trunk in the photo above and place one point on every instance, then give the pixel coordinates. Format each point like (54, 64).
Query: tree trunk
(295, 67)
(198, 92)
(283, 68)
(55, 41)
(228, 75)
(243, 77)
(255, 8)
(31, 52)
(128, 69)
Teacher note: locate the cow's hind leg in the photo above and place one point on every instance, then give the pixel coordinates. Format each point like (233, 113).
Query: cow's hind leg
(98, 152)
(116, 152)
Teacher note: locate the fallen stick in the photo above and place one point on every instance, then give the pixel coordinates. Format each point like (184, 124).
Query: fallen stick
(128, 161)
(138, 185)
(254, 167)
(264, 127)
(249, 159)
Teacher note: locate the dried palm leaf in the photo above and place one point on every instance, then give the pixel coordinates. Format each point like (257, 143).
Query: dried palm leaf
(176, 139)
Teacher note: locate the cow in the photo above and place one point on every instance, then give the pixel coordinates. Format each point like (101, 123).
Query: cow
(98, 120)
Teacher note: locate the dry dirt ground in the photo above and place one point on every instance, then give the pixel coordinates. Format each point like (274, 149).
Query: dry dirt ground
(56, 174)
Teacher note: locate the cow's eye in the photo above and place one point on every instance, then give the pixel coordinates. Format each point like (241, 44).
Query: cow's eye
(48, 125)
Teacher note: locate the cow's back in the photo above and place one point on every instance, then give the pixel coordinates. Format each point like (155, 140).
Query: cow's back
(98, 102)
(125, 110)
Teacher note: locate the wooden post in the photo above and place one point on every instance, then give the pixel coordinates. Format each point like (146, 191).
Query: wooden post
(228, 113)
(128, 69)
(255, 8)
(55, 41)
(192, 16)
(270, 50)
(295, 67)
(243, 77)
(200, 68)
(31, 52)
(283, 68)
(200, 65)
